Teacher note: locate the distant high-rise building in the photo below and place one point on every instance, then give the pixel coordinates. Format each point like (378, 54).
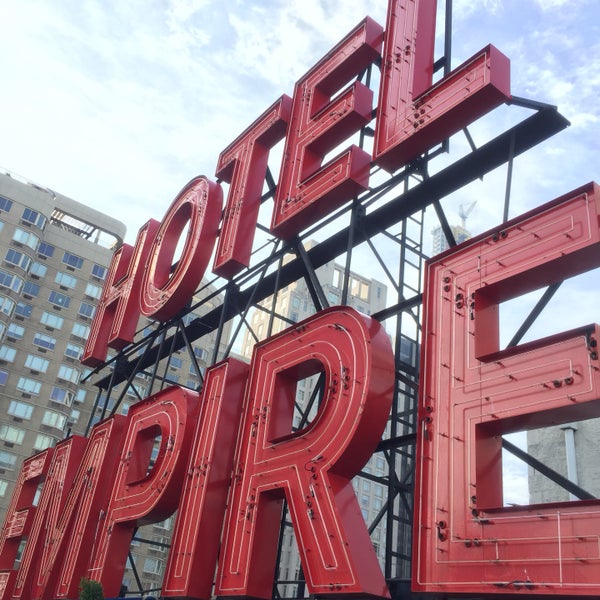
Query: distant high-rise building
(440, 243)
(54, 254)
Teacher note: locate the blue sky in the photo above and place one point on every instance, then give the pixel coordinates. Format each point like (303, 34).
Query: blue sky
(119, 104)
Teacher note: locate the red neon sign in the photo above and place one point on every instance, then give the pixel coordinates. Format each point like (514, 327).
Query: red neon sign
(413, 115)
(100, 492)
(473, 392)
(313, 124)
(313, 467)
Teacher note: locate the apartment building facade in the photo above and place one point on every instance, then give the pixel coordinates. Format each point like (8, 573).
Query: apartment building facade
(54, 254)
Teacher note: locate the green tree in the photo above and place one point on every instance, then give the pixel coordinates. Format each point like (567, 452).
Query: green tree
(90, 590)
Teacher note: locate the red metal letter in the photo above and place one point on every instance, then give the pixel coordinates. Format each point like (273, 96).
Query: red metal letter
(243, 164)
(140, 495)
(306, 191)
(314, 466)
(118, 310)
(165, 293)
(74, 496)
(20, 516)
(412, 115)
(473, 392)
(196, 537)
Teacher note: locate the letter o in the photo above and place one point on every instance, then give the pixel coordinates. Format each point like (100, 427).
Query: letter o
(164, 293)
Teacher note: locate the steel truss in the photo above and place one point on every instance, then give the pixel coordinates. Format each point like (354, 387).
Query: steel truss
(384, 222)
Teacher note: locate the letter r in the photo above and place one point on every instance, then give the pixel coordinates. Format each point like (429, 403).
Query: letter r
(314, 466)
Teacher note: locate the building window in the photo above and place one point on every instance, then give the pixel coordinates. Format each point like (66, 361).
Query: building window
(42, 442)
(23, 309)
(54, 419)
(166, 524)
(44, 341)
(176, 362)
(51, 320)
(153, 566)
(29, 386)
(81, 331)
(11, 434)
(87, 310)
(21, 410)
(31, 290)
(68, 374)
(61, 396)
(80, 396)
(7, 353)
(337, 278)
(73, 351)
(3, 487)
(46, 250)
(74, 416)
(37, 363)
(11, 282)
(3, 377)
(98, 271)
(200, 353)
(34, 217)
(72, 260)
(59, 299)
(93, 291)
(38, 270)
(7, 306)
(26, 237)
(65, 280)
(5, 204)
(7, 460)
(18, 259)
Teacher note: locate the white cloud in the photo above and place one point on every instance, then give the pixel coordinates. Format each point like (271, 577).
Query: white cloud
(122, 103)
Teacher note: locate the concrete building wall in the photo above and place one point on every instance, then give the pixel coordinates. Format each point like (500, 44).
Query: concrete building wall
(52, 268)
(552, 446)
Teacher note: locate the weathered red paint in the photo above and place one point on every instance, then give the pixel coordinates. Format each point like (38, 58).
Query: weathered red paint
(78, 475)
(102, 488)
(473, 392)
(20, 516)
